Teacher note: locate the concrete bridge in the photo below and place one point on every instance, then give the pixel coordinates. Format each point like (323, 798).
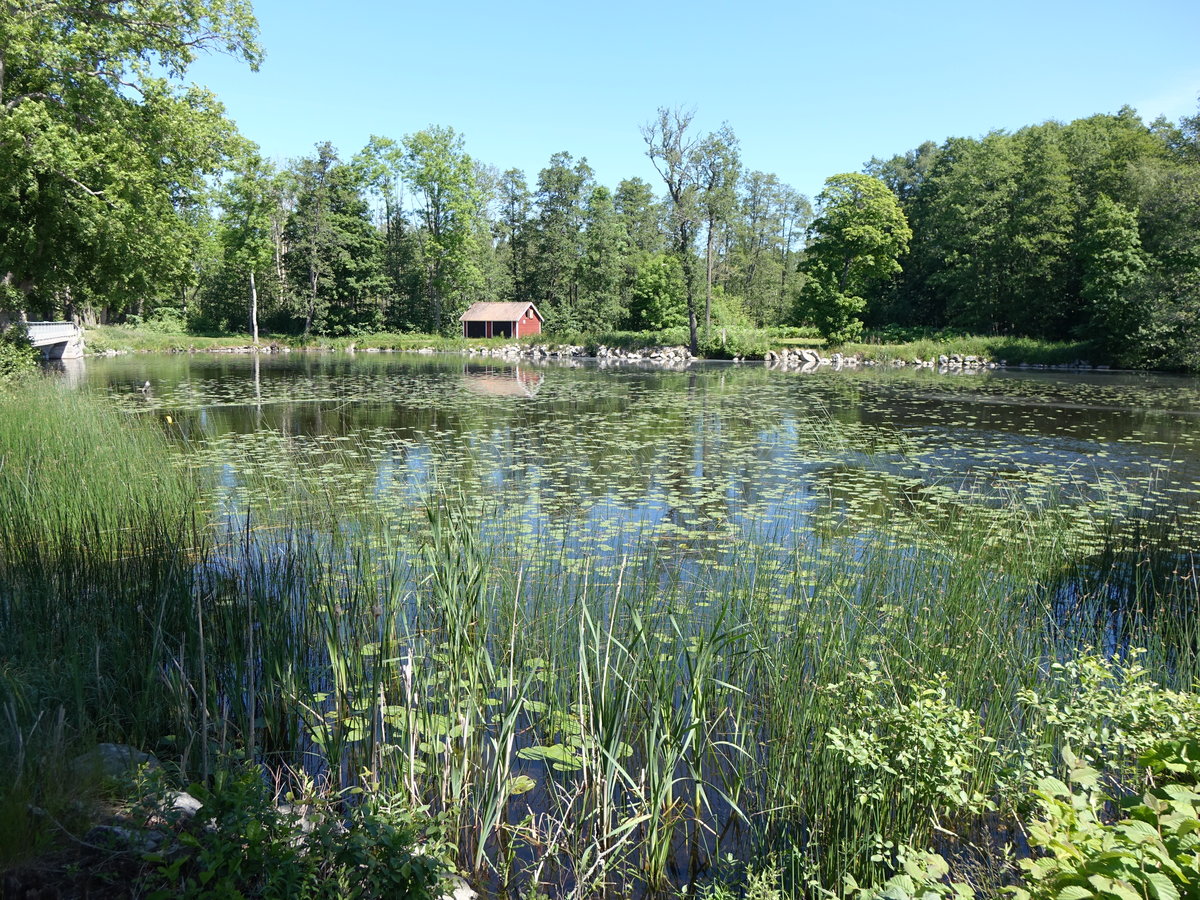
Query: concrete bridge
(57, 340)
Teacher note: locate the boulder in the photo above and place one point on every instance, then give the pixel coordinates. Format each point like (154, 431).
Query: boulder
(111, 761)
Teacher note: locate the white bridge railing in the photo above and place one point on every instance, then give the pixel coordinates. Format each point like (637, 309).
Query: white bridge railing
(58, 340)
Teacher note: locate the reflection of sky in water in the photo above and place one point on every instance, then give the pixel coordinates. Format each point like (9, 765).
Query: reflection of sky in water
(598, 460)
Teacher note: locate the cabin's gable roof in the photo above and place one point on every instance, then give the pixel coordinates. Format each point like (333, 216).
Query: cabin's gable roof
(499, 312)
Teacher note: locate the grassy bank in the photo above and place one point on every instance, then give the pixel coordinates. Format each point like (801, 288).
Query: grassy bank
(910, 344)
(719, 344)
(820, 706)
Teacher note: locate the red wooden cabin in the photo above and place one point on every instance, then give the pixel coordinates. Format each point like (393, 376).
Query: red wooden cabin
(510, 320)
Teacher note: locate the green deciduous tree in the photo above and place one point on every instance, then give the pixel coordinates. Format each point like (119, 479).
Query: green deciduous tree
(659, 293)
(450, 222)
(1113, 267)
(672, 150)
(335, 252)
(562, 189)
(101, 147)
(249, 205)
(718, 167)
(859, 234)
(602, 268)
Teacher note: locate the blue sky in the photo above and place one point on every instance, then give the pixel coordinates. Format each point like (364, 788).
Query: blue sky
(810, 89)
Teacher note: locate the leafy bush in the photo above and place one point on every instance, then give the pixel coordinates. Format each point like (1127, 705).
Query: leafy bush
(1108, 710)
(910, 742)
(18, 357)
(919, 875)
(240, 844)
(1152, 853)
(164, 320)
(726, 343)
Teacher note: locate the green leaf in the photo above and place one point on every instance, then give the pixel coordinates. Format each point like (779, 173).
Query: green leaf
(557, 756)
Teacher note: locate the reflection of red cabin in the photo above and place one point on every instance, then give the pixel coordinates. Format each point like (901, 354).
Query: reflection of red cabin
(503, 381)
(510, 320)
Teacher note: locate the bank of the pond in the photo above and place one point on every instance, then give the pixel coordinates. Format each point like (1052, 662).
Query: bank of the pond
(748, 345)
(369, 616)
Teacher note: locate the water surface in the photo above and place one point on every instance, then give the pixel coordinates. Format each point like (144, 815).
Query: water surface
(710, 453)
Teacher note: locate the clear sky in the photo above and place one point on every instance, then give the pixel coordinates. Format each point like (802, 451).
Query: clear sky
(810, 89)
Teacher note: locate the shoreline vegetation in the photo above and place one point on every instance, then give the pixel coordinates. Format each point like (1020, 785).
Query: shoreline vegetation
(883, 347)
(925, 707)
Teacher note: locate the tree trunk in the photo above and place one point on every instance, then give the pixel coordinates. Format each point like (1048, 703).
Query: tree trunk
(253, 309)
(312, 300)
(708, 280)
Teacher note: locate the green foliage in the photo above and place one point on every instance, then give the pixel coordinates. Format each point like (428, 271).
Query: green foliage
(906, 743)
(1113, 265)
(1152, 853)
(162, 321)
(240, 844)
(335, 253)
(563, 186)
(860, 233)
(18, 357)
(919, 875)
(659, 299)
(99, 138)
(602, 265)
(1109, 711)
(450, 211)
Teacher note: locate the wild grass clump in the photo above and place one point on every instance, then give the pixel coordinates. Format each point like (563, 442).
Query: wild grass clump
(923, 343)
(76, 476)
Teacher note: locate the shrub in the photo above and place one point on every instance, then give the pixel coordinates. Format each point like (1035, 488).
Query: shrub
(240, 844)
(906, 742)
(1152, 853)
(18, 357)
(1108, 711)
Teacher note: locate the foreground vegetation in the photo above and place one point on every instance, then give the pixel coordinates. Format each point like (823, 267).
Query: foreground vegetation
(830, 712)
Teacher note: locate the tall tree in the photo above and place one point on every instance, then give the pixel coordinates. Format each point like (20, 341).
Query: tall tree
(310, 233)
(640, 214)
(334, 248)
(512, 231)
(1113, 267)
(248, 205)
(562, 188)
(379, 166)
(718, 166)
(602, 267)
(672, 150)
(101, 145)
(449, 211)
(859, 234)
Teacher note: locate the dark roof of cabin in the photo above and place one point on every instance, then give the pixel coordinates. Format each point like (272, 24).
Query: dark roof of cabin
(498, 312)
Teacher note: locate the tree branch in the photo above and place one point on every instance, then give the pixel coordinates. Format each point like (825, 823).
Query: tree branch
(35, 95)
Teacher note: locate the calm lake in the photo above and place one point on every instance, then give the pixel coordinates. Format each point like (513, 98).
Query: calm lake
(717, 451)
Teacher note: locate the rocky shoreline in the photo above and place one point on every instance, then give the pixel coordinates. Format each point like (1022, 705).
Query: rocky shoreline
(803, 359)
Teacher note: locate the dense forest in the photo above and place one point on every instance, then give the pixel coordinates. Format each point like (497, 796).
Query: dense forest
(125, 191)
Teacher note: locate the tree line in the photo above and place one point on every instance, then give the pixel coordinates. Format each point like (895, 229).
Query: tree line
(405, 234)
(125, 191)
(1081, 231)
